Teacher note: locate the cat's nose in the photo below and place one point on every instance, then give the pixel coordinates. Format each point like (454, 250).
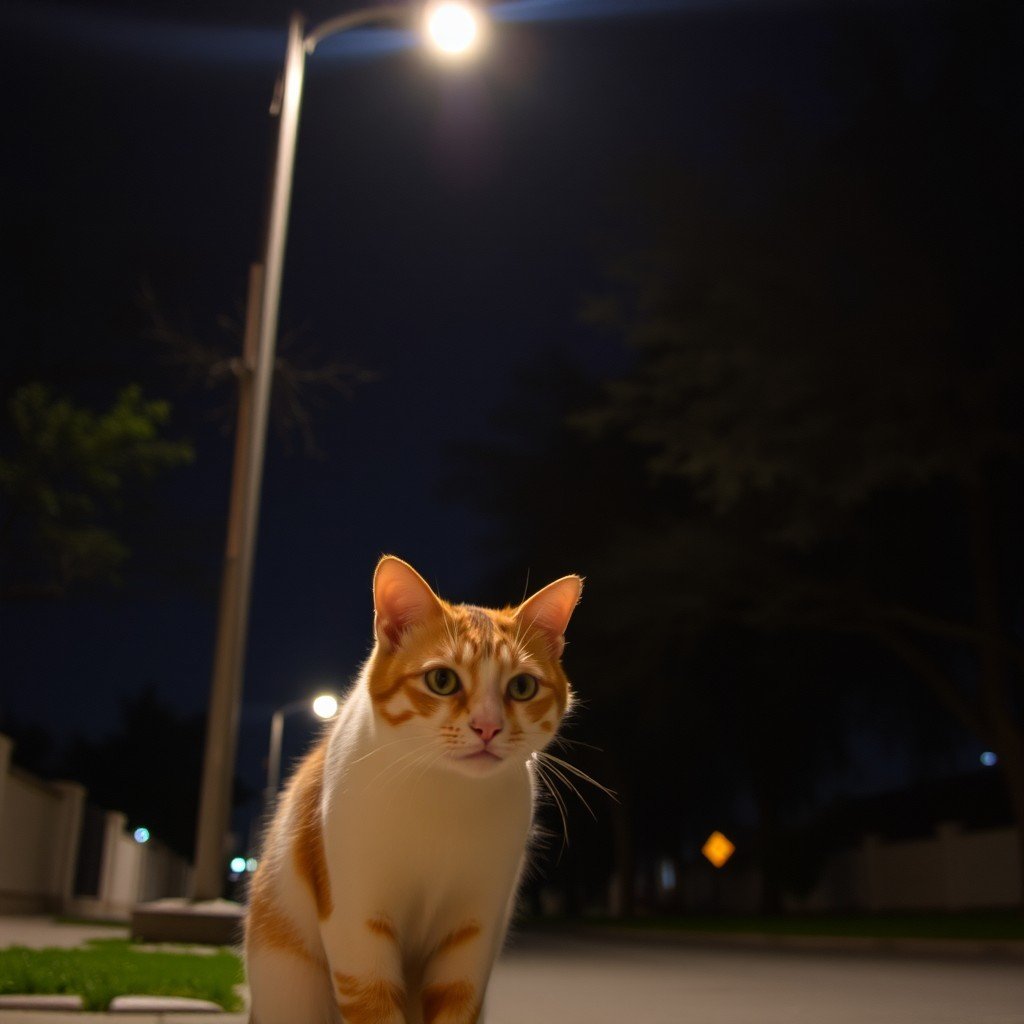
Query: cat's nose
(485, 728)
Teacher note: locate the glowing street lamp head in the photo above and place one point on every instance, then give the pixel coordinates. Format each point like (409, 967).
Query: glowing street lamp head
(453, 27)
(326, 705)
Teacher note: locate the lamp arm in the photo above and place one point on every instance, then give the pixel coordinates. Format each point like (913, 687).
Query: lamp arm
(353, 19)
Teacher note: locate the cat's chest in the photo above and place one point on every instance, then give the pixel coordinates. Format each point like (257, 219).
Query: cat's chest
(435, 833)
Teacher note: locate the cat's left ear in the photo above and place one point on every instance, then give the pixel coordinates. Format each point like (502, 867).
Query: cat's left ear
(401, 598)
(550, 609)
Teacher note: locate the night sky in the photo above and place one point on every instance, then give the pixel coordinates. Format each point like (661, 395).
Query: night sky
(447, 225)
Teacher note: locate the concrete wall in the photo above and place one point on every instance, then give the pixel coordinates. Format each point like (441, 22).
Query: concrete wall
(40, 831)
(40, 823)
(950, 870)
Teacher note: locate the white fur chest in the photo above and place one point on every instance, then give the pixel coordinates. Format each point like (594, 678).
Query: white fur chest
(412, 842)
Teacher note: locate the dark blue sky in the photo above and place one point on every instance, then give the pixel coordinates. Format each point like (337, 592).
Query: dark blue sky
(445, 229)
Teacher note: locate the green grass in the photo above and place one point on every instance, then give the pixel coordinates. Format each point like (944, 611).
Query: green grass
(983, 926)
(105, 968)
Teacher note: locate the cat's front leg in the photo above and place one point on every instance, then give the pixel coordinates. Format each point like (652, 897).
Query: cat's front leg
(456, 975)
(366, 969)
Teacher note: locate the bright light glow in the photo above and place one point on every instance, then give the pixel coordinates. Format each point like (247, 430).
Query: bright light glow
(141, 835)
(251, 864)
(989, 758)
(237, 865)
(718, 849)
(326, 705)
(453, 27)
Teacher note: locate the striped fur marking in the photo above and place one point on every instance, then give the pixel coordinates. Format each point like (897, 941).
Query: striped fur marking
(393, 719)
(457, 937)
(308, 845)
(452, 1002)
(537, 708)
(383, 927)
(375, 1001)
(269, 927)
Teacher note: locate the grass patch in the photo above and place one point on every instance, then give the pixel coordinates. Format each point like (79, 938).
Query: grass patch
(105, 968)
(980, 926)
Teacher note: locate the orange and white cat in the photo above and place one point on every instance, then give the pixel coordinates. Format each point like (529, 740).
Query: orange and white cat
(390, 868)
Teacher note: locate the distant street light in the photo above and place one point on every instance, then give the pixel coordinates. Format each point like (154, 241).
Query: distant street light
(451, 29)
(325, 706)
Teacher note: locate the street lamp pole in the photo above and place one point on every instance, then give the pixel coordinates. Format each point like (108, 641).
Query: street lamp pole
(243, 512)
(325, 706)
(247, 475)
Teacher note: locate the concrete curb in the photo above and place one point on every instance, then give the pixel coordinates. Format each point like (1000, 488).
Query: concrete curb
(30, 1009)
(81, 1017)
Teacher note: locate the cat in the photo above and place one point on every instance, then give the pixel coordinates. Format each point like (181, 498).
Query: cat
(390, 868)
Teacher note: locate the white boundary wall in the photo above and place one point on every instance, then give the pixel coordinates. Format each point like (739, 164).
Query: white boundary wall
(40, 829)
(950, 870)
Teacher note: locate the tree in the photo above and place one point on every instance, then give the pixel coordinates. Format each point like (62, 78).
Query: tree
(148, 767)
(64, 478)
(689, 710)
(837, 378)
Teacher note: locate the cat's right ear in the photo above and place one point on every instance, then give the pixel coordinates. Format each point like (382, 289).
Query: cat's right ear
(401, 598)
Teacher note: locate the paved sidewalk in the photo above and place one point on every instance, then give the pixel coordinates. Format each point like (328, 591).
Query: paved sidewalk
(44, 932)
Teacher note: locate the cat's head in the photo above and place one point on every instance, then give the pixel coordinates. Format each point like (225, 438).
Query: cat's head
(478, 689)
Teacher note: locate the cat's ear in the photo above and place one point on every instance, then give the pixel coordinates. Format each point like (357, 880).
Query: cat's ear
(550, 609)
(401, 598)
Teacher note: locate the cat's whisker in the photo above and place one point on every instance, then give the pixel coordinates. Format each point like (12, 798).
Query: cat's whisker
(567, 782)
(429, 764)
(564, 741)
(383, 746)
(558, 801)
(397, 762)
(411, 766)
(579, 773)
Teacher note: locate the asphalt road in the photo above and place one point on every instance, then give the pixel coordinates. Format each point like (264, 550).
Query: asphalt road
(554, 980)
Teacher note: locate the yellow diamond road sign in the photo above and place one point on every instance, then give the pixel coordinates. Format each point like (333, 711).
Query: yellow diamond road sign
(717, 849)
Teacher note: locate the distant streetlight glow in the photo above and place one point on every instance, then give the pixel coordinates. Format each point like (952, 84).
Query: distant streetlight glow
(989, 758)
(237, 865)
(453, 27)
(141, 835)
(325, 706)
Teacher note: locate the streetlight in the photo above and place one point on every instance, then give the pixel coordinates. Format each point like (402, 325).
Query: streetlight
(324, 705)
(453, 29)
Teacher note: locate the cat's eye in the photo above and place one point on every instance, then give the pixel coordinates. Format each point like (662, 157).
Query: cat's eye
(522, 687)
(442, 681)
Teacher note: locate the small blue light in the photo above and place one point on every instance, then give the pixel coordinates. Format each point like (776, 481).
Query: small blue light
(667, 875)
(989, 758)
(237, 865)
(141, 835)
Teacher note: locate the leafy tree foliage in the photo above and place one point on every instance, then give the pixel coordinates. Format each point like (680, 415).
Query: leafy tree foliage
(836, 380)
(807, 487)
(64, 479)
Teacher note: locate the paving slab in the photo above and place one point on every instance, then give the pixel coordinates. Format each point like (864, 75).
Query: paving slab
(40, 1002)
(46, 933)
(162, 1004)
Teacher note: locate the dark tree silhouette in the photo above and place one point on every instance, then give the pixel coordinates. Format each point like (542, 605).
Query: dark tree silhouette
(149, 767)
(837, 376)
